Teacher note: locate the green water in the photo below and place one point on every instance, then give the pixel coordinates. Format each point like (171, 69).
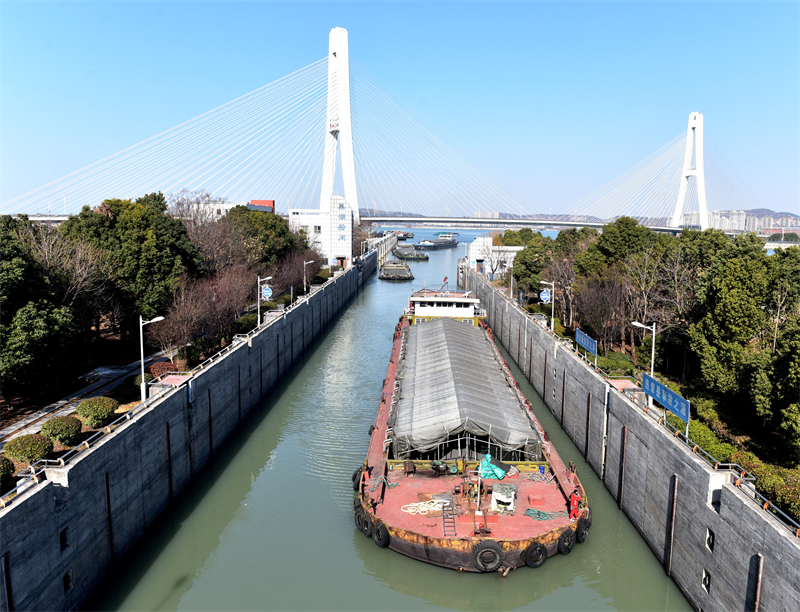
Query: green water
(270, 525)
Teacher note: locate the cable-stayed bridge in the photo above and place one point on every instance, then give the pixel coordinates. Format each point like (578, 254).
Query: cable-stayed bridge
(333, 128)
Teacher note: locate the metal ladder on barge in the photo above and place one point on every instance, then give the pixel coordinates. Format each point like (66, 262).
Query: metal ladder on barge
(448, 520)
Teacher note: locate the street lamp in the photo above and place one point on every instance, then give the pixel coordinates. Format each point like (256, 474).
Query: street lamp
(652, 352)
(305, 263)
(258, 297)
(552, 305)
(142, 323)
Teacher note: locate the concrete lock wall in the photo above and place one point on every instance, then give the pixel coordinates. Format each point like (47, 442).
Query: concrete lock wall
(59, 538)
(719, 532)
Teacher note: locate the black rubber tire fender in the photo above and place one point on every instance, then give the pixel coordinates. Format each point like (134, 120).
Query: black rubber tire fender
(360, 517)
(566, 541)
(357, 479)
(380, 535)
(589, 516)
(488, 555)
(535, 555)
(367, 527)
(582, 530)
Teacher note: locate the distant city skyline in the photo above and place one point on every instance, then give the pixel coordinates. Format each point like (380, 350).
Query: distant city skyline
(556, 99)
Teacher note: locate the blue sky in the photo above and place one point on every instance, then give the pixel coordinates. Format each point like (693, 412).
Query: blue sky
(555, 98)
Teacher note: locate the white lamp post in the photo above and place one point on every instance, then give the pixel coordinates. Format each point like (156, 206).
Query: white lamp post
(552, 304)
(652, 352)
(142, 323)
(305, 263)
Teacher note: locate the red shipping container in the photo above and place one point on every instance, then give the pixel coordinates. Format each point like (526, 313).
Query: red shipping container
(265, 203)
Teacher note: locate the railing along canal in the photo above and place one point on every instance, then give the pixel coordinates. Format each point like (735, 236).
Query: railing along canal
(742, 478)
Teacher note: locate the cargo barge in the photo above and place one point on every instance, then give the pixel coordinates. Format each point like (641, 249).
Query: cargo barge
(395, 270)
(459, 472)
(409, 254)
(436, 244)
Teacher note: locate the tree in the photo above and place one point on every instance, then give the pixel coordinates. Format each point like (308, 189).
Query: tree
(148, 249)
(530, 261)
(266, 236)
(600, 303)
(35, 343)
(208, 230)
(731, 295)
(640, 278)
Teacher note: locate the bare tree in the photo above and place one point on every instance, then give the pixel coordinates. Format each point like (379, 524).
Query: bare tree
(678, 294)
(492, 258)
(75, 269)
(360, 236)
(641, 280)
(601, 304)
(208, 229)
(289, 271)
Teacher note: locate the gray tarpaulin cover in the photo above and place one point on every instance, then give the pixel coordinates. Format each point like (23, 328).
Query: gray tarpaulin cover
(451, 382)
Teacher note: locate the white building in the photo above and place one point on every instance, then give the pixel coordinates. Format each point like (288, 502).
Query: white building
(329, 231)
(751, 223)
(486, 258)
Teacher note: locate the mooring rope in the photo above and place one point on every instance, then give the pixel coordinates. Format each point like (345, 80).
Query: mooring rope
(424, 507)
(382, 479)
(541, 515)
(538, 477)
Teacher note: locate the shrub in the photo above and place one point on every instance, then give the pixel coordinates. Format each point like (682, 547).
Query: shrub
(6, 474)
(779, 485)
(97, 410)
(616, 363)
(285, 299)
(246, 323)
(161, 367)
(191, 354)
(138, 380)
(268, 306)
(30, 447)
(65, 429)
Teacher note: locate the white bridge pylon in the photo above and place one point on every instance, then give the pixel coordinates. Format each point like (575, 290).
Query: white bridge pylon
(694, 143)
(339, 125)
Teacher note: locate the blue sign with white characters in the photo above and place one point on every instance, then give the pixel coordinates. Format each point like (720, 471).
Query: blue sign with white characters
(586, 342)
(666, 397)
(545, 296)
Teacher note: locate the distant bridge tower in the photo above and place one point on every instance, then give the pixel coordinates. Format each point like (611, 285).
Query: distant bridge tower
(694, 141)
(339, 127)
(330, 228)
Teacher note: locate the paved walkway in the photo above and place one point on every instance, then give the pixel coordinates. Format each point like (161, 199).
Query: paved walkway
(111, 378)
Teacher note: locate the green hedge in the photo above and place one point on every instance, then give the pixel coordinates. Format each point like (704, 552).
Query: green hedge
(30, 447)
(268, 306)
(246, 323)
(147, 379)
(616, 364)
(701, 434)
(6, 474)
(780, 485)
(96, 411)
(65, 429)
(285, 299)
